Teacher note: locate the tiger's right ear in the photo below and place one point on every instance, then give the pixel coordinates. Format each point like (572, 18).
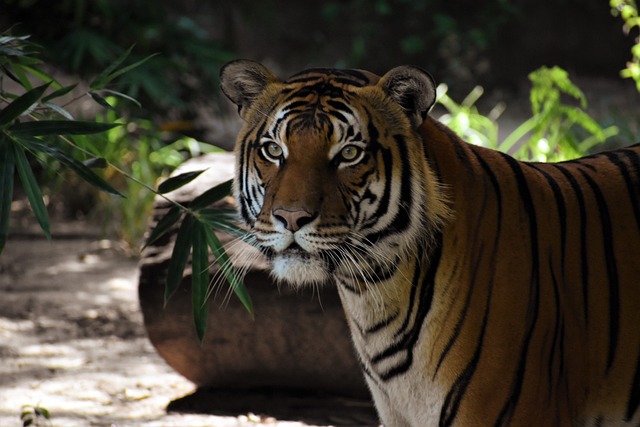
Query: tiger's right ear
(242, 81)
(413, 89)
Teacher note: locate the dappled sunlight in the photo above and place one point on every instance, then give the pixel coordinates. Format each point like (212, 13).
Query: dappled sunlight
(72, 341)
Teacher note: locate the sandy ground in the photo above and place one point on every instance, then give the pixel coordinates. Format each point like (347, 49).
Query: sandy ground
(72, 341)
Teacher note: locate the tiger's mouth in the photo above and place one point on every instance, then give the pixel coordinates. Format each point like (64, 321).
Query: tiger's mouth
(299, 267)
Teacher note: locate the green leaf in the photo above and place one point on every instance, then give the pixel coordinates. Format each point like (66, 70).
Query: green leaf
(178, 181)
(6, 189)
(179, 257)
(200, 280)
(80, 169)
(21, 104)
(59, 127)
(227, 268)
(123, 96)
(32, 189)
(101, 80)
(60, 92)
(96, 163)
(111, 72)
(101, 101)
(58, 109)
(165, 223)
(43, 412)
(212, 195)
(224, 220)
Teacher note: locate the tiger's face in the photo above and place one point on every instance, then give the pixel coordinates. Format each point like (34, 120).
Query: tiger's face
(331, 176)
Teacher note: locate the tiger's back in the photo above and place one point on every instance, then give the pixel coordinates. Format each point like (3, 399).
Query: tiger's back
(555, 251)
(479, 290)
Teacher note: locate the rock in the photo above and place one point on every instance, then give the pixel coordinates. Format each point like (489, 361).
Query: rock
(299, 340)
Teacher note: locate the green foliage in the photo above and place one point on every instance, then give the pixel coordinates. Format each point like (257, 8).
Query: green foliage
(30, 124)
(556, 131)
(466, 121)
(137, 155)
(86, 36)
(628, 12)
(196, 236)
(35, 416)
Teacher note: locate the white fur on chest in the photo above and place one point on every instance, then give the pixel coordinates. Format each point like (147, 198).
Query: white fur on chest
(408, 399)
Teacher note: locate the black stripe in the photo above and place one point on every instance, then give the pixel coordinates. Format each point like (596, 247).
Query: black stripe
(562, 208)
(534, 292)
(634, 394)
(454, 397)
(402, 218)
(349, 288)
(498, 193)
(558, 332)
(584, 259)
(401, 338)
(339, 106)
(424, 302)
(382, 324)
(631, 183)
(612, 270)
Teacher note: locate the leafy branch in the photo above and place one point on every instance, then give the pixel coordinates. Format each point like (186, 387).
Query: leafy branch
(557, 130)
(32, 124)
(628, 11)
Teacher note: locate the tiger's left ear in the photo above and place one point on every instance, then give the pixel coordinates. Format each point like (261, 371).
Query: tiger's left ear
(243, 81)
(412, 88)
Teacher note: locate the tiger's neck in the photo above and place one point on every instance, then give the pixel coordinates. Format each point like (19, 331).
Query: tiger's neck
(387, 318)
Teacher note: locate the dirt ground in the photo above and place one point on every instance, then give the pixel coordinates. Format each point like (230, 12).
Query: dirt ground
(72, 339)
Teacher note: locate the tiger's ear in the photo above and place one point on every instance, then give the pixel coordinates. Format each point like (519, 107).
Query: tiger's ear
(412, 88)
(242, 81)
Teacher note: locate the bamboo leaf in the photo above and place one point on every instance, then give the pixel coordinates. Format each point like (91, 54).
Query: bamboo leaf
(200, 280)
(123, 96)
(80, 169)
(58, 109)
(179, 257)
(101, 101)
(100, 81)
(178, 181)
(165, 223)
(6, 189)
(224, 220)
(59, 127)
(228, 270)
(43, 412)
(32, 189)
(21, 104)
(112, 72)
(60, 92)
(96, 163)
(127, 69)
(212, 195)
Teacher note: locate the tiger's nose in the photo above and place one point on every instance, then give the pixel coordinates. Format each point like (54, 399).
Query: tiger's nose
(293, 220)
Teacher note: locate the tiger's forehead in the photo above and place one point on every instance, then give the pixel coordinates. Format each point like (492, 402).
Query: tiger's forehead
(318, 100)
(348, 77)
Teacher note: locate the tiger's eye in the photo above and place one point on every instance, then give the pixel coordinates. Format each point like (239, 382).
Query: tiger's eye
(274, 150)
(350, 152)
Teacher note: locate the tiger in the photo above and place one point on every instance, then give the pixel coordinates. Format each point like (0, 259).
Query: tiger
(479, 290)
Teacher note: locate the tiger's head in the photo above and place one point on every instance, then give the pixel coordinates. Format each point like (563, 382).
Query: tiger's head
(331, 174)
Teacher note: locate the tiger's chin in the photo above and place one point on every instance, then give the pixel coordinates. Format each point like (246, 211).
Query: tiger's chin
(299, 269)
